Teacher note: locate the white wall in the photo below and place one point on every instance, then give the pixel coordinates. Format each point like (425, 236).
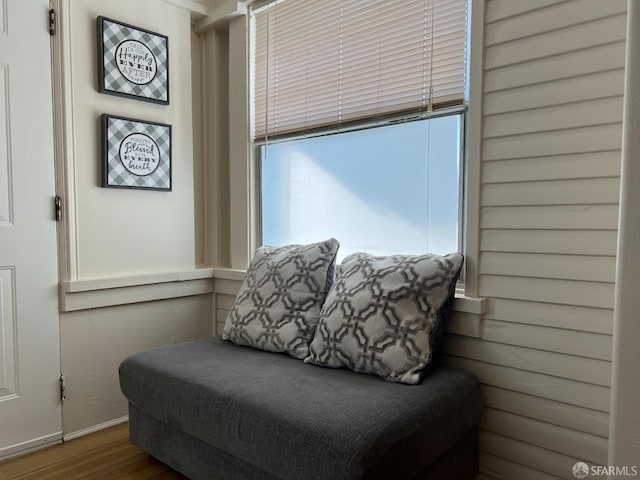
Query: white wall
(128, 266)
(95, 341)
(133, 231)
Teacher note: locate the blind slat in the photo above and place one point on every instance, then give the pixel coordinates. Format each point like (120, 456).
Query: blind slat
(337, 61)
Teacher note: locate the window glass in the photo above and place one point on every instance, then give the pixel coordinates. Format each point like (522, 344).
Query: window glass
(385, 190)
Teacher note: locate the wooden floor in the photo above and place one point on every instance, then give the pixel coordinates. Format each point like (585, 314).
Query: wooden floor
(106, 454)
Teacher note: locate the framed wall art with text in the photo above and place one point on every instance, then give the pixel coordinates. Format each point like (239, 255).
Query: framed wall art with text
(132, 62)
(135, 154)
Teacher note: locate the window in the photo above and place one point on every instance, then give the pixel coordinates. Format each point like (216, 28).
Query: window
(382, 190)
(359, 121)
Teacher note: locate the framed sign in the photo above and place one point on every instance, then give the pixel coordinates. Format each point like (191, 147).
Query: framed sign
(132, 62)
(135, 154)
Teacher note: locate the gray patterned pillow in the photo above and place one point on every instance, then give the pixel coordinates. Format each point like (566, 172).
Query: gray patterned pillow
(279, 302)
(383, 313)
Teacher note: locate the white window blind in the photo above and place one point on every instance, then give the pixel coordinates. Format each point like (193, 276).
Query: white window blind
(333, 62)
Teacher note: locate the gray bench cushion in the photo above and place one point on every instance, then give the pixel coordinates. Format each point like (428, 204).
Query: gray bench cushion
(296, 420)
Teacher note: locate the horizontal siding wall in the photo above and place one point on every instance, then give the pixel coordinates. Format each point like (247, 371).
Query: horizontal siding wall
(224, 303)
(552, 127)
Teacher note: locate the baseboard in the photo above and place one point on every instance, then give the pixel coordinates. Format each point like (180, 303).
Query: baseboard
(95, 428)
(30, 446)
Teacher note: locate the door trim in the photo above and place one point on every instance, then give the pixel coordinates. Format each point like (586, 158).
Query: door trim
(64, 154)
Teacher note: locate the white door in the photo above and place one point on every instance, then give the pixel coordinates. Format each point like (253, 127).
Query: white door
(30, 411)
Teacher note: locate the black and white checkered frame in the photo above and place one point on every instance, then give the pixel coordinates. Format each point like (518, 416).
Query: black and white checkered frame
(111, 81)
(114, 174)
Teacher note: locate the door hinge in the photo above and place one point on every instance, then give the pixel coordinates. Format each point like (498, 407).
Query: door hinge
(52, 21)
(57, 207)
(62, 389)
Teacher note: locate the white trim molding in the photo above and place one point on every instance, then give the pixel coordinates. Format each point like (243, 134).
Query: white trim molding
(95, 428)
(221, 15)
(65, 158)
(199, 9)
(30, 446)
(473, 164)
(105, 292)
(240, 168)
(229, 274)
(208, 14)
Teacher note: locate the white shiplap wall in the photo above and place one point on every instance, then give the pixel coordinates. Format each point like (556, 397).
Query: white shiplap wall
(552, 113)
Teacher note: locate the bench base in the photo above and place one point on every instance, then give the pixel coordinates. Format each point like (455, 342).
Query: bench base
(200, 461)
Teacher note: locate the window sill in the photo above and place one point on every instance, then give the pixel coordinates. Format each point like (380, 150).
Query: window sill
(105, 292)
(474, 305)
(229, 274)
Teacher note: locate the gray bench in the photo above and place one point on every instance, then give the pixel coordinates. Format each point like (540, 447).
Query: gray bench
(214, 410)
